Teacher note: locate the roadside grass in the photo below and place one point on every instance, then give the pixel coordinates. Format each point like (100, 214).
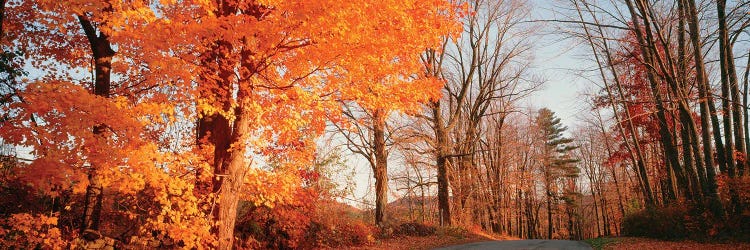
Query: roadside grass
(655, 244)
(601, 242)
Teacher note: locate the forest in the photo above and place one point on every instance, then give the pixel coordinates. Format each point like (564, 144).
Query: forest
(240, 124)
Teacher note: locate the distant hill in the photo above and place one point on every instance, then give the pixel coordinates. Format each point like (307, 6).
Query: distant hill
(399, 209)
(340, 206)
(414, 201)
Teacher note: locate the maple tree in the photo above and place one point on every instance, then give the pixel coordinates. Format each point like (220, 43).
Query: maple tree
(293, 69)
(91, 135)
(268, 75)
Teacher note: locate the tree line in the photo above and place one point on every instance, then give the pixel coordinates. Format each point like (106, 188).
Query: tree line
(665, 125)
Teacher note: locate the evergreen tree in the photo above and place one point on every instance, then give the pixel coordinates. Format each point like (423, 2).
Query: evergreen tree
(557, 164)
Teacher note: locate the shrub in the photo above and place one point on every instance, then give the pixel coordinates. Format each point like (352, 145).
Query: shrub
(662, 223)
(302, 225)
(346, 232)
(415, 229)
(680, 222)
(452, 231)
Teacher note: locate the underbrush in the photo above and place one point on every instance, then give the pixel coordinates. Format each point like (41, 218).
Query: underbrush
(396, 229)
(305, 225)
(678, 222)
(406, 229)
(326, 225)
(453, 231)
(661, 223)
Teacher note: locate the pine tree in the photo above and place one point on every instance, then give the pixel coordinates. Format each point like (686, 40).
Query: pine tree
(557, 162)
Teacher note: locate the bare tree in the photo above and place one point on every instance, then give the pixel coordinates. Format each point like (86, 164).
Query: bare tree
(485, 69)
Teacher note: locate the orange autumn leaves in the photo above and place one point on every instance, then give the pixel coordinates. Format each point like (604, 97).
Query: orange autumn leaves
(291, 65)
(30, 230)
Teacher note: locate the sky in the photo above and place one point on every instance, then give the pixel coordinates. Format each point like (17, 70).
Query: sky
(562, 89)
(559, 61)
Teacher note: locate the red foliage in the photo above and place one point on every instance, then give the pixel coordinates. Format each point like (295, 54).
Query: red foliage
(308, 222)
(637, 95)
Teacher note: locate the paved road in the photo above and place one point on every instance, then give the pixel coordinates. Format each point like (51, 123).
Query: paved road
(521, 244)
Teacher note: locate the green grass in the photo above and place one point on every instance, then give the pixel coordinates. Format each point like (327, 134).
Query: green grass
(599, 243)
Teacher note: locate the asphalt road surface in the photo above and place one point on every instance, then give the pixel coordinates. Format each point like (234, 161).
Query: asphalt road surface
(521, 244)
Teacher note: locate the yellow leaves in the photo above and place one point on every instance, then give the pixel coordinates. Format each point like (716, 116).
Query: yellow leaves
(174, 189)
(26, 231)
(206, 108)
(139, 10)
(269, 189)
(270, 2)
(49, 220)
(80, 187)
(178, 214)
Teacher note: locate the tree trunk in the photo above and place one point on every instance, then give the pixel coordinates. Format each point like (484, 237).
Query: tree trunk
(731, 74)
(549, 207)
(725, 102)
(216, 128)
(744, 104)
(596, 206)
(93, 203)
(683, 85)
(730, 104)
(442, 165)
(605, 214)
(707, 111)
(381, 167)
(231, 178)
(102, 53)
